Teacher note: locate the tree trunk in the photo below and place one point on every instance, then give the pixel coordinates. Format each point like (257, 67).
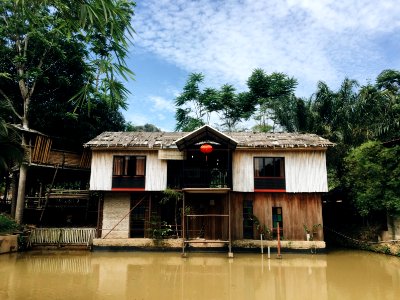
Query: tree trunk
(23, 171)
(19, 211)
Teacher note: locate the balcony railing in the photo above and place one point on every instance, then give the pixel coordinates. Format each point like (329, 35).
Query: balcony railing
(126, 182)
(269, 183)
(205, 178)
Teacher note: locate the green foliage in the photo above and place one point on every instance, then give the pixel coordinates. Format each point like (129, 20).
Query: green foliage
(34, 35)
(141, 128)
(311, 231)
(195, 105)
(11, 151)
(273, 96)
(373, 177)
(262, 228)
(171, 195)
(7, 225)
(159, 229)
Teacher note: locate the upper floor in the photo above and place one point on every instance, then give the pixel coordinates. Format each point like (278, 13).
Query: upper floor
(209, 159)
(43, 150)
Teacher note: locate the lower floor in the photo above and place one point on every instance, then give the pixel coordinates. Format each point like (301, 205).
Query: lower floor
(211, 216)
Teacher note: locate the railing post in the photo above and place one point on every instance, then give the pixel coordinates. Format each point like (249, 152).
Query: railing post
(279, 242)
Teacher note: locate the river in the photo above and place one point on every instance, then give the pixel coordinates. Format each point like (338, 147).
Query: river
(147, 275)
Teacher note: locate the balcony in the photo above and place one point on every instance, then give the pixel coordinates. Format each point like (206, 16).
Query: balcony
(199, 178)
(272, 184)
(128, 182)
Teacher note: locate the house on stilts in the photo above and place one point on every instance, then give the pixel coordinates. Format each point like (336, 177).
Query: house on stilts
(56, 193)
(234, 185)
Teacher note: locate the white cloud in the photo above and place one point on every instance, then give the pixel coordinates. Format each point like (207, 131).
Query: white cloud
(137, 119)
(310, 40)
(160, 104)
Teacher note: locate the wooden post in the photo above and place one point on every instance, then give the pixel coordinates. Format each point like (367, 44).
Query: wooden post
(183, 225)
(279, 242)
(230, 254)
(99, 214)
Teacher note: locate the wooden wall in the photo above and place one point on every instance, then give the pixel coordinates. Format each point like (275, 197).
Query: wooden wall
(102, 167)
(305, 171)
(156, 172)
(297, 209)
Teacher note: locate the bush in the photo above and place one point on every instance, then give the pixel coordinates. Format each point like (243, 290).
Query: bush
(7, 225)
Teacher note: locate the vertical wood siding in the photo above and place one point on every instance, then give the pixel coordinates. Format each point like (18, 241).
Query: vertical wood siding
(305, 171)
(156, 173)
(297, 209)
(101, 171)
(102, 167)
(242, 171)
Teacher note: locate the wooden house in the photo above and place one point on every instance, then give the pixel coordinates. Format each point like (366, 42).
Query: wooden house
(56, 191)
(233, 183)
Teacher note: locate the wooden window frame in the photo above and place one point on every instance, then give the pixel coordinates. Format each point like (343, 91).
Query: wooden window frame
(279, 179)
(129, 175)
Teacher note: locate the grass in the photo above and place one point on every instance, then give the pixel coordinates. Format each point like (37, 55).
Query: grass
(7, 225)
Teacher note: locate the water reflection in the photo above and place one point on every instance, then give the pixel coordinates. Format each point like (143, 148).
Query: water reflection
(136, 275)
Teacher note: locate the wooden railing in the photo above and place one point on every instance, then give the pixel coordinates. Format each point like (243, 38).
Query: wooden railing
(62, 236)
(59, 197)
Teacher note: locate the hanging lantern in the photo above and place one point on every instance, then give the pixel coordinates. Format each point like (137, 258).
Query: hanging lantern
(206, 148)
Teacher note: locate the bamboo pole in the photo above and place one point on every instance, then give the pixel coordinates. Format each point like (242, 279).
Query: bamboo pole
(48, 194)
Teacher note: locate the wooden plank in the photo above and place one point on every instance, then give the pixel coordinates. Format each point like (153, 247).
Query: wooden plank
(205, 241)
(297, 208)
(208, 215)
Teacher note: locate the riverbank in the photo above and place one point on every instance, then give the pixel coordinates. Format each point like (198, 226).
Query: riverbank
(203, 245)
(390, 247)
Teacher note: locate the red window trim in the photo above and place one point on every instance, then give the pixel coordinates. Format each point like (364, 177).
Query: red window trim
(269, 190)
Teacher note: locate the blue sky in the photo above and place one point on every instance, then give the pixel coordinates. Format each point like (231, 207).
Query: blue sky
(226, 40)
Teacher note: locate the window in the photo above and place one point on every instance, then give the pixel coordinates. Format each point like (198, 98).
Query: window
(129, 173)
(277, 218)
(248, 231)
(269, 174)
(269, 167)
(129, 165)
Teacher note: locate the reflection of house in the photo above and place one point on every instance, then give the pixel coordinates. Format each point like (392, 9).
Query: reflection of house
(277, 177)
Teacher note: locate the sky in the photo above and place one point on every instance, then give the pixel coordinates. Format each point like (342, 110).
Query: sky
(310, 40)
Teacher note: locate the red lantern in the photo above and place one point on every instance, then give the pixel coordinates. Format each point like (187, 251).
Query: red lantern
(206, 148)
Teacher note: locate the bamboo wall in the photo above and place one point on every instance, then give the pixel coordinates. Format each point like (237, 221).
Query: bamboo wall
(102, 167)
(297, 209)
(116, 206)
(305, 171)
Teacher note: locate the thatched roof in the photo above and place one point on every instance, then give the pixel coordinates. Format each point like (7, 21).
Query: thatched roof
(165, 140)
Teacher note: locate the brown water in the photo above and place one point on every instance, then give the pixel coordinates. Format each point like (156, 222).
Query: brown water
(137, 275)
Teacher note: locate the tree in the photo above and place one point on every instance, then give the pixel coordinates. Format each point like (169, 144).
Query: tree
(32, 33)
(379, 106)
(141, 128)
(270, 93)
(195, 106)
(232, 107)
(191, 108)
(373, 177)
(10, 147)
